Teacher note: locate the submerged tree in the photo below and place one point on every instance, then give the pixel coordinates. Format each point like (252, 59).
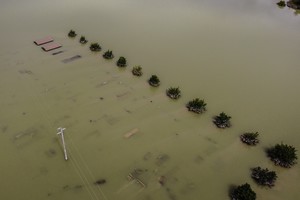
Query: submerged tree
(122, 62)
(281, 3)
(243, 192)
(108, 55)
(250, 138)
(154, 81)
(222, 120)
(72, 33)
(264, 177)
(173, 93)
(196, 105)
(295, 4)
(137, 71)
(283, 155)
(82, 40)
(95, 47)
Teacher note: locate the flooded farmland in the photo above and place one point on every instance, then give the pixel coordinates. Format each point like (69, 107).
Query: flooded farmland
(124, 137)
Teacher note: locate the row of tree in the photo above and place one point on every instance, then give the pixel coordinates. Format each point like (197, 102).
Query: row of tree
(95, 47)
(281, 154)
(195, 105)
(295, 4)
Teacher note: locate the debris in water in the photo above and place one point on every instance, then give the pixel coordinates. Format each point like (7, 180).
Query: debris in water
(131, 177)
(104, 83)
(162, 180)
(128, 111)
(76, 187)
(100, 182)
(134, 175)
(29, 132)
(131, 133)
(122, 94)
(66, 187)
(67, 60)
(58, 52)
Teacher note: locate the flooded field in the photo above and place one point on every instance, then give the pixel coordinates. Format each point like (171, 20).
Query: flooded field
(123, 137)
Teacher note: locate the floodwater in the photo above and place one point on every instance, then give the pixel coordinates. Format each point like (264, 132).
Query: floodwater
(240, 56)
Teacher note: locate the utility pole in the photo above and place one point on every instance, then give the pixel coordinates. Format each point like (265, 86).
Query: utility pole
(61, 132)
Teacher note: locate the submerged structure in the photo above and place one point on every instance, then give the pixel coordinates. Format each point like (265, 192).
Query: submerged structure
(48, 43)
(44, 40)
(51, 46)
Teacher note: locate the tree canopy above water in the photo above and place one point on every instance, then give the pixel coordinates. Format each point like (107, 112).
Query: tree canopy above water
(243, 192)
(222, 120)
(283, 155)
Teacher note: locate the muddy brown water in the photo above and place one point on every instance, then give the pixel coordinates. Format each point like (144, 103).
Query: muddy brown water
(241, 57)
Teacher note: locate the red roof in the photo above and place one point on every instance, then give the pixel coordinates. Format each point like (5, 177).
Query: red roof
(43, 40)
(51, 46)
